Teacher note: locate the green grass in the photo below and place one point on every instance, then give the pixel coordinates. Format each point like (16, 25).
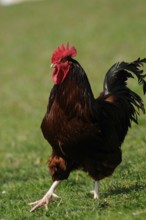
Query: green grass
(104, 32)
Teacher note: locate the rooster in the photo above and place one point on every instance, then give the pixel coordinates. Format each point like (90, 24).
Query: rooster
(85, 132)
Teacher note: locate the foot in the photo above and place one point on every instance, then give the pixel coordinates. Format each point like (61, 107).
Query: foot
(46, 199)
(42, 202)
(95, 191)
(95, 194)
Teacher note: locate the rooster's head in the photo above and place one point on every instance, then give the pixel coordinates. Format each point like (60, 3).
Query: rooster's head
(60, 62)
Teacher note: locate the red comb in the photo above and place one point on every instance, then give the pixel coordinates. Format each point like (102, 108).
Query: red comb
(62, 52)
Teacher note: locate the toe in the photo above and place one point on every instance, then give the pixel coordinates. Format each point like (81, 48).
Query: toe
(33, 203)
(55, 196)
(39, 204)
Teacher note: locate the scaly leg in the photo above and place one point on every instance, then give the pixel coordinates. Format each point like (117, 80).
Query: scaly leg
(47, 197)
(95, 191)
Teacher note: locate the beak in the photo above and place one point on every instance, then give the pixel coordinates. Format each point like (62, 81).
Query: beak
(53, 65)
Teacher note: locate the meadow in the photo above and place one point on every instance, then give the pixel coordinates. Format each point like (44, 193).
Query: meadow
(103, 32)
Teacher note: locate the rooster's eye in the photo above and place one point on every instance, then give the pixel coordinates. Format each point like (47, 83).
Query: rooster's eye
(63, 59)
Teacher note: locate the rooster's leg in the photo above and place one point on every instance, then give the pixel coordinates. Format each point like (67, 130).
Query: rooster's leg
(95, 191)
(45, 200)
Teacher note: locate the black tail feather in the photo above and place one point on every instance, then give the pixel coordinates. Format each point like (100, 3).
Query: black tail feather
(115, 84)
(120, 72)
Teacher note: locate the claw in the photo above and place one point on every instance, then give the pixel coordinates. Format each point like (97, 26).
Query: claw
(37, 204)
(95, 195)
(46, 199)
(55, 196)
(46, 207)
(33, 203)
(42, 202)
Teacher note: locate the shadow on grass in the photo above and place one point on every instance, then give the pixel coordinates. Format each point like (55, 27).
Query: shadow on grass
(136, 187)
